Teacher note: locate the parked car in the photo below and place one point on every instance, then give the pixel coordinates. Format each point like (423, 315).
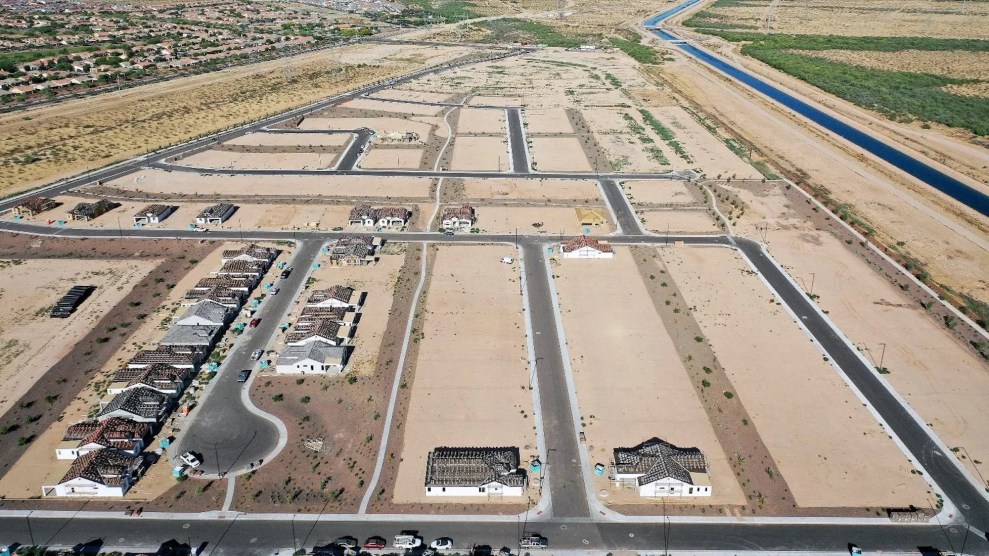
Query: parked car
(255, 322)
(449, 232)
(191, 459)
(256, 354)
(535, 540)
(244, 375)
(375, 542)
(346, 542)
(287, 272)
(273, 291)
(442, 543)
(407, 541)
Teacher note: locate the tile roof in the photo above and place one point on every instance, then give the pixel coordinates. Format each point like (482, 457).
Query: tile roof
(363, 211)
(656, 460)
(216, 211)
(209, 311)
(580, 242)
(92, 210)
(106, 467)
(324, 328)
(37, 204)
(153, 210)
(195, 335)
(169, 355)
(463, 212)
(253, 251)
(474, 467)
(142, 402)
(117, 433)
(157, 376)
(317, 351)
(340, 293)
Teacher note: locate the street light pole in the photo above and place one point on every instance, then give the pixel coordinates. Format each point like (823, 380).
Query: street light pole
(812, 277)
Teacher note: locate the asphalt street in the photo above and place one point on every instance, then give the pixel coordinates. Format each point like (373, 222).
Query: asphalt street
(628, 222)
(223, 431)
(253, 536)
(516, 138)
(562, 461)
(355, 150)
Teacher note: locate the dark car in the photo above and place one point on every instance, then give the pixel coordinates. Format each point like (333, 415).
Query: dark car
(346, 542)
(244, 375)
(375, 542)
(287, 272)
(255, 322)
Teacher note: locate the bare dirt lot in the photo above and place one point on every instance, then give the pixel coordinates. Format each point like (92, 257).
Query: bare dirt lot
(378, 157)
(551, 154)
(698, 221)
(481, 121)
(419, 125)
(666, 192)
(292, 140)
(820, 461)
(263, 161)
(646, 391)
(547, 120)
(480, 153)
(506, 189)
(471, 376)
(31, 341)
(531, 220)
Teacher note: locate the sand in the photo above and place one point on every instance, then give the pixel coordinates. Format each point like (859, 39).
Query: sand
(547, 120)
(636, 388)
(483, 100)
(506, 189)
(705, 150)
(390, 106)
(480, 153)
(558, 154)
(380, 157)
(419, 125)
(31, 341)
(471, 377)
(481, 121)
(292, 139)
(162, 182)
(665, 192)
(407, 95)
(941, 379)
(820, 454)
(686, 221)
(261, 161)
(552, 220)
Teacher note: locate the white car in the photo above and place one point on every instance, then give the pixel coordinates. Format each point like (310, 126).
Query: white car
(442, 543)
(407, 541)
(257, 354)
(273, 291)
(190, 459)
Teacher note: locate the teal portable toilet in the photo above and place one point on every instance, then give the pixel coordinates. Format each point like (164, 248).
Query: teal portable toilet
(165, 443)
(213, 367)
(192, 226)
(264, 364)
(315, 266)
(599, 469)
(549, 250)
(535, 465)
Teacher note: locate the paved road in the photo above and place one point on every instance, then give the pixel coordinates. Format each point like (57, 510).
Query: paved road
(672, 175)
(562, 459)
(260, 536)
(227, 434)
(355, 150)
(516, 139)
(628, 222)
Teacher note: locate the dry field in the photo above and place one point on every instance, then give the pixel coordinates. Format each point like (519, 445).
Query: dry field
(819, 455)
(510, 190)
(547, 120)
(698, 221)
(419, 124)
(940, 378)
(41, 145)
(480, 153)
(552, 154)
(532, 220)
(31, 341)
(659, 193)
(471, 377)
(481, 121)
(176, 185)
(636, 387)
(367, 103)
(906, 18)
(263, 161)
(379, 157)
(292, 140)
(410, 95)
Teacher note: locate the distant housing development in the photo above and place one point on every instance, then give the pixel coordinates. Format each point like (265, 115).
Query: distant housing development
(475, 472)
(657, 468)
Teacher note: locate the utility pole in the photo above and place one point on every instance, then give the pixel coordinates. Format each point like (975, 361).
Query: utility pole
(882, 355)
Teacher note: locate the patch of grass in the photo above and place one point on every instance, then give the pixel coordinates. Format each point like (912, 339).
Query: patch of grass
(615, 82)
(442, 12)
(636, 50)
(519, 30)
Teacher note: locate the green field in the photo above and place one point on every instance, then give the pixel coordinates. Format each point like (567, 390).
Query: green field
(513, 30)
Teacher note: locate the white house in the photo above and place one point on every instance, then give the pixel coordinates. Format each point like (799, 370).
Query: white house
(337, 296)
(583, 247)
(659, 469)
(216, 214)
(103, 473)
(316, 357)
(456, 218)
(475, 472)
(205, 313)
(153, 214)
(121, 435)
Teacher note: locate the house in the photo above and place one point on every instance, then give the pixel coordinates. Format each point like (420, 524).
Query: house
(475, 472)
(328, 331)
(583, 247)
(337, 296)
(216, 214)
(228, 297)
(233, 282)
(592, 216)
(315, 357)
(126, 437)
(175, 356)
(657, 468)
(90, 211)
(386, 217)
(459, 218)
(249, 269)
(199, 336)
(101, 473)
(205, 313)
(345, 316)
(32, 206)
(153, 214)
(141, 405)
(163, 378)
(353, 251)
(250, 253)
